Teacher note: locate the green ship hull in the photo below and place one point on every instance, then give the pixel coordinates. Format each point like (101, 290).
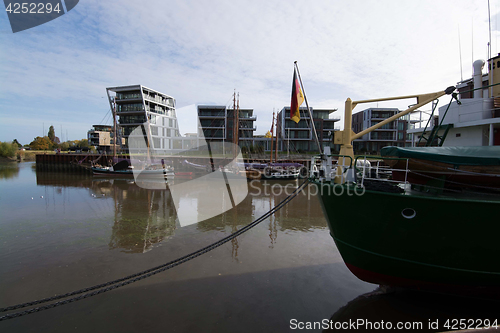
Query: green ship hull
(415, 240)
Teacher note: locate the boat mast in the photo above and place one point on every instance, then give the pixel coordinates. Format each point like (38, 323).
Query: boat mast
(272, 139)
(112, 106)
(288, 146)
(276, 145)
(114, 129)
(236, 122)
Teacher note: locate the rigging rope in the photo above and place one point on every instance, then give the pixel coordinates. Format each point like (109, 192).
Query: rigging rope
(144, 274)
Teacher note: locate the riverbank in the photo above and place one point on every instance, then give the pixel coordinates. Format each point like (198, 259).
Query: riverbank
(24, 156)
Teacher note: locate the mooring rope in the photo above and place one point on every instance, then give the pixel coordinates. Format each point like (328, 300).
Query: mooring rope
(144, 274)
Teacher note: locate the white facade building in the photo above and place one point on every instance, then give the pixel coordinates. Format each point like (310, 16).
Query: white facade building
(137, 105)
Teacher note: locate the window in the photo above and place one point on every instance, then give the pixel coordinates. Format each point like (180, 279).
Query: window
(302, 134)
(132, 119)
(130, 107)
(154, 130)
(386, 126)
(177, 144)
(128, 96)
(156, 143)
(152, 119)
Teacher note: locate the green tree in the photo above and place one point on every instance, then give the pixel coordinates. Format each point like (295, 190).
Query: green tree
(83, 143)
(65, 145)
(52, 134)
(8, 149)
(17, 143)
(40, 143)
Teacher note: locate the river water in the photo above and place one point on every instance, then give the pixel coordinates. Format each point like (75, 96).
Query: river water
(63, 232)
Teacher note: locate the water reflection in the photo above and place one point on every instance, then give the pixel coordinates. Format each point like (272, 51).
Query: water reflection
(145, 217)
(142, 217)
(302, 214)
(9, 170)
(417, 311)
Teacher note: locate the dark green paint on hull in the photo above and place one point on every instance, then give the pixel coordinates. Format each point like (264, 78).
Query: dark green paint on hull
(449, 241)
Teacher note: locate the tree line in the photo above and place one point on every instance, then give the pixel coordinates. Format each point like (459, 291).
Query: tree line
(48, 142)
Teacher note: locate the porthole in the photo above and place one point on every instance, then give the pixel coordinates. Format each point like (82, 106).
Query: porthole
(408, 213)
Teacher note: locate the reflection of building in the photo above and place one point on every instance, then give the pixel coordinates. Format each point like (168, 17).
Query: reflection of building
(218, 123)
(142, 217)
(302, 215)
(137, 105)
(299, 136)
(101, 137)
(392, 134)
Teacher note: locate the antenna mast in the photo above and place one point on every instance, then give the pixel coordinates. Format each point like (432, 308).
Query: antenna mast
(460, 52)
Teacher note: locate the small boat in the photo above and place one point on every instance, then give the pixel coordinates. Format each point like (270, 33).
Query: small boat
(123, 168)
(280, 170)
(193, 167)
(283, 171)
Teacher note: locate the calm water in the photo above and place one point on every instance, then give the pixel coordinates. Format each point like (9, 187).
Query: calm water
(62, 232)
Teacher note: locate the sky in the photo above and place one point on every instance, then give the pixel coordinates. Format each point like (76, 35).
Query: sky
(200, 52)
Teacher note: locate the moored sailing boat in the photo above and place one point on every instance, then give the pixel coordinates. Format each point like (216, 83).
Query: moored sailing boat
(123, 168)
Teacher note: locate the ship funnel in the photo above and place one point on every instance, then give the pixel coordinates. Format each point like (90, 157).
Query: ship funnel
(478, 78)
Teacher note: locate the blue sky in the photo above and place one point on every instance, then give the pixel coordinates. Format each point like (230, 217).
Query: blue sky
(199, 52)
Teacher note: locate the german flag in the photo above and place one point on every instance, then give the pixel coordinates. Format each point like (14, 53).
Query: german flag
(297, 98)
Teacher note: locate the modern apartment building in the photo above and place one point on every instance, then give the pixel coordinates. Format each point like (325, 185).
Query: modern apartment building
(391, 134)
(137, 105)
(299, 137)
(101, 137)
(217, 124)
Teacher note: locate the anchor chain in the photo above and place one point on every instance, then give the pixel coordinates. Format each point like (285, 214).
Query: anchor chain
(108, 286)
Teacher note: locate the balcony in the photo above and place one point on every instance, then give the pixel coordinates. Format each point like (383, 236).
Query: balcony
(212, 127)
(211, 117)
(128, 110)
(298, 139)
(128, 97)
(385, 129)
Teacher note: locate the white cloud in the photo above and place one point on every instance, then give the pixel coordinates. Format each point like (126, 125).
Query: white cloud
(199, 52)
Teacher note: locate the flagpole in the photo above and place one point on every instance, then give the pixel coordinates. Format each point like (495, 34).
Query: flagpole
(320, 147)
